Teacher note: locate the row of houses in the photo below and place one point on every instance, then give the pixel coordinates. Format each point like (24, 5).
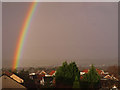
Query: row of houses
(104, 75)
(10, 80)
(43, 78)
(107, 81)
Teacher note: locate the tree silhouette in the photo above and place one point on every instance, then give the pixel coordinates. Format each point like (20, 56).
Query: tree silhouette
(76, 83)
(66, 73)
(91, 78)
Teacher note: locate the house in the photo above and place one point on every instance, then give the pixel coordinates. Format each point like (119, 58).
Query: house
(50, 78)
(8, 82)
(43, 78)
(38, 77)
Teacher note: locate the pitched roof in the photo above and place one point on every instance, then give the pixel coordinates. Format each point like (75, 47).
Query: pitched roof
(43, 72)
(52, 72)
(8, 82)
(13, 76)
(99, 71)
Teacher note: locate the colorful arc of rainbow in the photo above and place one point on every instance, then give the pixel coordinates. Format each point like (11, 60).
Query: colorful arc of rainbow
(22, 36)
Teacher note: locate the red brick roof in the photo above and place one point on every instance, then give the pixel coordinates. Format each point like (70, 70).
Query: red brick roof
(86, 70)
(98, 70)
(52, 72)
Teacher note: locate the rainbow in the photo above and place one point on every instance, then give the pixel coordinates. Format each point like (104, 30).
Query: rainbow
(22, 35)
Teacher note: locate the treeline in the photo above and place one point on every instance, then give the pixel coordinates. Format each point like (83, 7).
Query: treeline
(68, 76)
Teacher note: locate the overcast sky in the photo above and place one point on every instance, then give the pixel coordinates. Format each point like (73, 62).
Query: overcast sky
(82, 32)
